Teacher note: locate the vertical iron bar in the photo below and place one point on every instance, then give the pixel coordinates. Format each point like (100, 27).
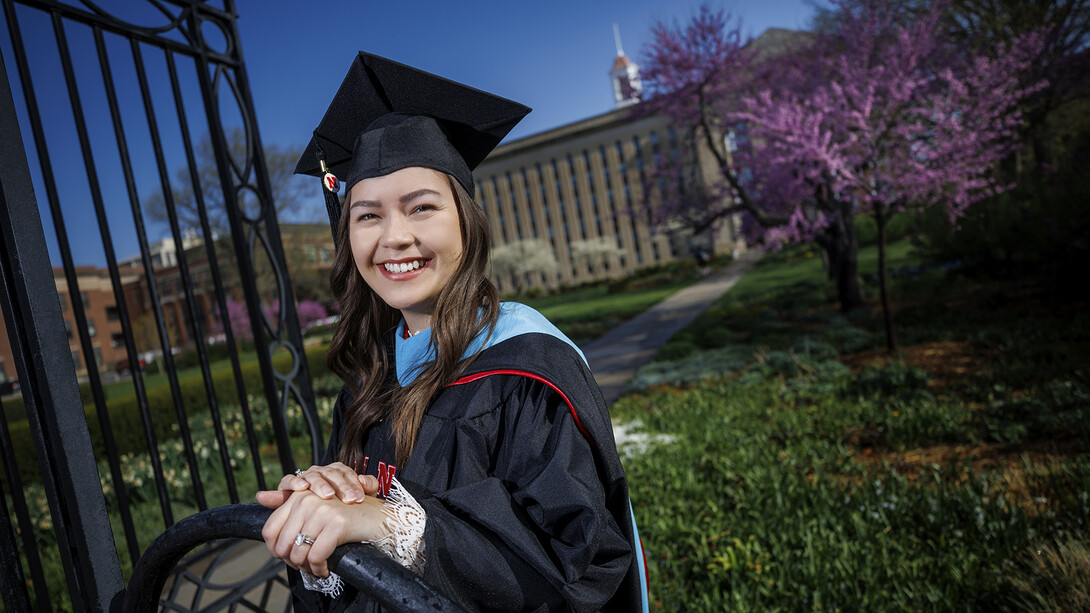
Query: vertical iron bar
(122, 304)
(22, 516)
(302, 383)
(246, 270)
(107, 242)
(12, 584)
(191, 310)
(168, 198)
(213, 260)
(31, 308)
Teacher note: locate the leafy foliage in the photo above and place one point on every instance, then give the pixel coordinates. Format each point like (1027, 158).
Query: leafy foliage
(789, 481)
(518, 260)
(870, 116)
(756, 507)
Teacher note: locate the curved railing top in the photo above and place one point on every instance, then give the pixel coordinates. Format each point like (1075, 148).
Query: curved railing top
(360, 565)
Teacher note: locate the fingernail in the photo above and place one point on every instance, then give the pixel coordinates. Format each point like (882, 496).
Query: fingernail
(355, 495)
(327, 491)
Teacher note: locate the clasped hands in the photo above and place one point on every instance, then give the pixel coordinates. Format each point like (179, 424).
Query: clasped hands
(316, 511)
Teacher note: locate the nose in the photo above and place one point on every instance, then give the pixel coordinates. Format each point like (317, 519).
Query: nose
(396, 232)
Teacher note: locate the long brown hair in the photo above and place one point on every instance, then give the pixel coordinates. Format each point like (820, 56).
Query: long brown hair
(360, 352)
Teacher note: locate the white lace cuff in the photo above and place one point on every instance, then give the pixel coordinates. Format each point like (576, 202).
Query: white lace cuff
(405, 520)
(330, 586)
(404, 540)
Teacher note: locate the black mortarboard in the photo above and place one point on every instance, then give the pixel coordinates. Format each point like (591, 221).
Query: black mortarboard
(387, 116)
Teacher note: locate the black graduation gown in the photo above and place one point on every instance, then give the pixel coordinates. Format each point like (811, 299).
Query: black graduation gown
(517, 469)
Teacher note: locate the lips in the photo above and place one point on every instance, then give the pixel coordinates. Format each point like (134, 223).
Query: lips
(403, 267)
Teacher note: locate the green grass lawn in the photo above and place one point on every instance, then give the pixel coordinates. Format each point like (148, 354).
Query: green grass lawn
(587, 313)
(799, 467)
(802, 266)
(794, 466)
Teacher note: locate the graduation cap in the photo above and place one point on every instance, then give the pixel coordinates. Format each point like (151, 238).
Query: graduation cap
(387, 116)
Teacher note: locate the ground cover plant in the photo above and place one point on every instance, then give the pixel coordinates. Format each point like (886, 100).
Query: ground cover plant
(139, 479)
(805, 468)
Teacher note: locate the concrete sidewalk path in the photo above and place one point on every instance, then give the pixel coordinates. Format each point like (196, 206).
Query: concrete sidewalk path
(615, 357)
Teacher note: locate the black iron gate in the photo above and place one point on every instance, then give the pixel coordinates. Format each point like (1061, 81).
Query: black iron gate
(98, 120)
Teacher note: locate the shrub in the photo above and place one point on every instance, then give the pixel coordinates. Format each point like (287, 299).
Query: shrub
(810, 347)
(676, 350)
(782, 364)
(715, 337)
(899, 226)
(693, 367)
(893, 380)
(774, 333)
(1040, 228)
(846, 338)
(126, 421)
(1059, 409)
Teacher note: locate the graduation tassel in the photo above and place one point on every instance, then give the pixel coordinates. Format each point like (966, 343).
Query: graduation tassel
(330, 185)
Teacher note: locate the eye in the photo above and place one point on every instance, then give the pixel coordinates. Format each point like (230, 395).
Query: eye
(421, 208)
(362, 217)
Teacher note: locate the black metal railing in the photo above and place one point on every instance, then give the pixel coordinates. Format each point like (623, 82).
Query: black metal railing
(98, 119)
(360, 565)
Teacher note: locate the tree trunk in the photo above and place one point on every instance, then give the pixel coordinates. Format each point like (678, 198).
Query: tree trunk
(881, 219)
(840, 246)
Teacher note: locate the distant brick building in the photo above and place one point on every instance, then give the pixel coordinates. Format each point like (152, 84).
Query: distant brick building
(103, 321)
(585, 182)
(307, 247)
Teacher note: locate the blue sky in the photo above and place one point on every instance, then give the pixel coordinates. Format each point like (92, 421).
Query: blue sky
(552, 56)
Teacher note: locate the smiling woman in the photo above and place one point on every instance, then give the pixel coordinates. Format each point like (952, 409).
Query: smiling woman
(405, 237)
(509, 494)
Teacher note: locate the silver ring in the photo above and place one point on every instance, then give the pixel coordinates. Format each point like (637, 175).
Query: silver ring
(303, 539)
(298, 472)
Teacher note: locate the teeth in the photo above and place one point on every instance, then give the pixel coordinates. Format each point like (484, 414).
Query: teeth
(403, 266)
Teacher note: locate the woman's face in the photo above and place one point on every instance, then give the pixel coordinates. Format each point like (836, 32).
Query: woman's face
(406, 239)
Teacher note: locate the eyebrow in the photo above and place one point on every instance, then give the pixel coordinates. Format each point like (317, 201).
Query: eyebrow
(409, 197)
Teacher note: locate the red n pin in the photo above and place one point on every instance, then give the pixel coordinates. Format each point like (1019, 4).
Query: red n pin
(328, 179)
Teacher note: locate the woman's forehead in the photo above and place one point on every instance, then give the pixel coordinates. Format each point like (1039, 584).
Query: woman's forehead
(400, 186)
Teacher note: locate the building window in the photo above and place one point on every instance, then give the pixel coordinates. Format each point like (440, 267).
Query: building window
(541, 188)
(117, 339)
(84, 300)
(68, 329)
(656, 151)
(90, 327)
(112, 313)
(529, 203)
(75, 358)
(98, 357)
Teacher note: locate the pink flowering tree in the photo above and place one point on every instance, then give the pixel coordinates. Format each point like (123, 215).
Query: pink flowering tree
(870, 118)
(308, 312)
(239, 318)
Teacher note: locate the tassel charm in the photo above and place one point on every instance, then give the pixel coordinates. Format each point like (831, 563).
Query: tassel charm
(328, 179)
